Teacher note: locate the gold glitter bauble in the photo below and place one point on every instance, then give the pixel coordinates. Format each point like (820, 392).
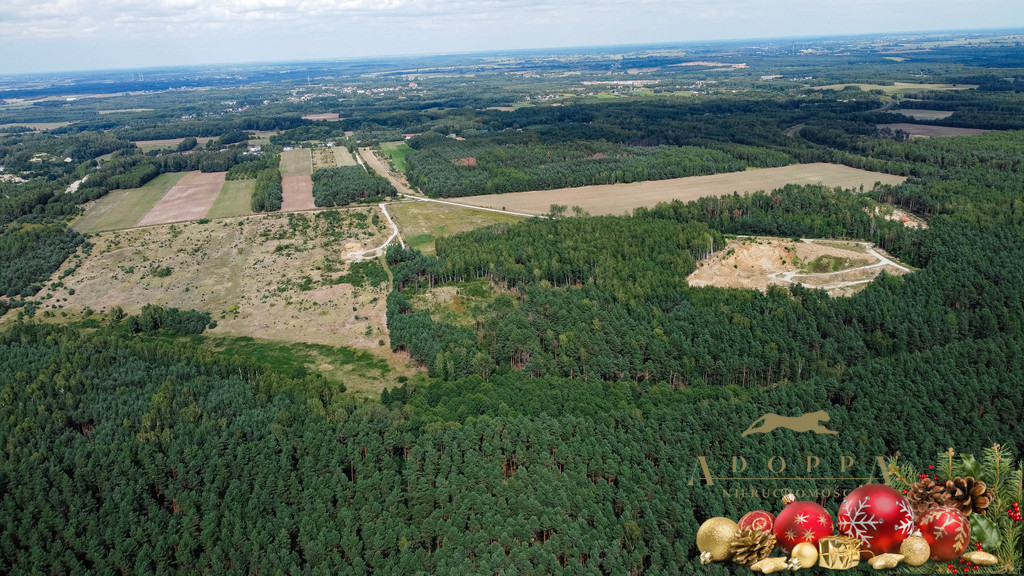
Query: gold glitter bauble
(915, 550)
(806, 553)
(716, 536)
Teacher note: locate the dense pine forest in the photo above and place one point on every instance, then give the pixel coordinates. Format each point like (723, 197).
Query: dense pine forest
(558, 423)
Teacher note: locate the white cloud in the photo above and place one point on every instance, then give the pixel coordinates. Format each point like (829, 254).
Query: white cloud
(158, 32)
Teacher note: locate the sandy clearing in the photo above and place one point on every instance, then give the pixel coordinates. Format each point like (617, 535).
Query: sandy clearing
(298, 193)
(190, 199)
(759, 262)
(623, 198)
(925, 131)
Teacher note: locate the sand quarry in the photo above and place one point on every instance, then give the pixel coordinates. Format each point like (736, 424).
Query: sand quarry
(758, 262)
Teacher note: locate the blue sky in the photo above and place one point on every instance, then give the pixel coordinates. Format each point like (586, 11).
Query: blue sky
(52, 35)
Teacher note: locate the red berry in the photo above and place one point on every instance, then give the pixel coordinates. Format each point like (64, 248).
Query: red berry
(950, 565)
(975, 568)
(930, 466)
(961, 560)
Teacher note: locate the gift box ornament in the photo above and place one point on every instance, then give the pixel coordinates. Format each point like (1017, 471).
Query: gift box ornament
(838, 552)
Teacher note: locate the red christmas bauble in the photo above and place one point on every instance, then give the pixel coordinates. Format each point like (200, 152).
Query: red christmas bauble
(758, 520)
(801, 522)
(947, 531)
(879, 515)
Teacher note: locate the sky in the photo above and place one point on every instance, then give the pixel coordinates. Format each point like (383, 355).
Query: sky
(60, 35)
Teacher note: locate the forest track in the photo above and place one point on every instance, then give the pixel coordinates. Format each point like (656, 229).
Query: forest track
(869, 247)
(378, 250)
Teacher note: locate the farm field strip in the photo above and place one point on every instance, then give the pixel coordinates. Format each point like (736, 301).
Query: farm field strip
(928, 131)
(233, 200)
(190, 199)
(371, 160)
(623, 198)
(124, 208)
(296, 168)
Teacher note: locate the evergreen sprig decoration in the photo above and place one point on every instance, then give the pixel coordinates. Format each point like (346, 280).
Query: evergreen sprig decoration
(996, 531)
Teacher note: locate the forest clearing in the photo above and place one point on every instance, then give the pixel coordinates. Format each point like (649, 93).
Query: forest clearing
(167, 144)
(296, 169)
(925, 114)
(421, 223)
(929, 131)
(190, 199)
(839, 267)
(623, 198)
(269, 276)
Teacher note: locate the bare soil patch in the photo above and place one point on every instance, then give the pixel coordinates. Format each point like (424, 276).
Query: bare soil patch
(190, 199)
(759, 262)
(623, 198)
(298, 193)
(926, 131)
(465, 162)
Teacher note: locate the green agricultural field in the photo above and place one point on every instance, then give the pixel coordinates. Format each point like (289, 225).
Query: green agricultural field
(397, 151)
(233, 199)
(124, 208)
(297, 162)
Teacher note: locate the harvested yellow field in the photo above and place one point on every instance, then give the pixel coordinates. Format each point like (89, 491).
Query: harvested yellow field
(623, 198)
(900, 87)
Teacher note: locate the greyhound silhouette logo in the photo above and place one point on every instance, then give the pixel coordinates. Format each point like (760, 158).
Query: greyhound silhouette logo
(803, 423)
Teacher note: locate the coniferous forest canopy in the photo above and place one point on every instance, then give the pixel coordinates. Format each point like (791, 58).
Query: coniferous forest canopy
(562, 397)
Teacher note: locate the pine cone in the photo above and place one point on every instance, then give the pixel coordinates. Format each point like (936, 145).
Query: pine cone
(967, 495)
(925, 494)
(751, 545)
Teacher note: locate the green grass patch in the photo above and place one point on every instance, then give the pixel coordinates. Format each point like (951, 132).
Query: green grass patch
(233, 199)
(851, 246)
(397, 151)
(124, 208)
(420, 240)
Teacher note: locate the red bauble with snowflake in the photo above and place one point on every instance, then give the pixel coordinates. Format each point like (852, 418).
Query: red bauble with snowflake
(879, 516)
(947, 531)
(801, 522)
(758, 520)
